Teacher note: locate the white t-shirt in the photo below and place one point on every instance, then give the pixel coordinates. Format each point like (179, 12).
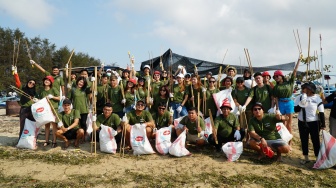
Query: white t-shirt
(314, 106)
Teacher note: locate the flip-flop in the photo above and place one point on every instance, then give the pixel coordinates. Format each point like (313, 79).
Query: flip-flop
(45, 144)
(54, 145)
(303, 162)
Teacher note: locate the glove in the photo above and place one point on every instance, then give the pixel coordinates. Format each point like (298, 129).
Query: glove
(14, 69)
(137, 125)
(243, 108)
(66, 66)
(123, 101)
(179, 109)
(237, 135)
(171, 95)
(32, 62)
(171, 111)
(60, 124)
(14, 94)
(124, 119)
(180, 67)
(304, 96)
(94, 117)
(240, 108)
(93, 79)
(69, 86)
(151, 100)
(154, 130)
(204, 89)
(62, 98)
(50, 96)
(35, 100)
(271, 111)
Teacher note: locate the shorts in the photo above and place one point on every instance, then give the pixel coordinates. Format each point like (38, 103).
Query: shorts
(274, 144)
(71, 134)
(286, 106)
(192, 138)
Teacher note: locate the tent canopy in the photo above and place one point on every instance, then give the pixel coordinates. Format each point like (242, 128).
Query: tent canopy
(170, 59)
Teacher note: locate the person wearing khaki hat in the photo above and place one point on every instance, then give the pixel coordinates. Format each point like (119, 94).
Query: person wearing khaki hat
(227, 127)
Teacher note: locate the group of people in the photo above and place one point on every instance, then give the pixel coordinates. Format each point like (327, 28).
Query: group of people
(155, 98)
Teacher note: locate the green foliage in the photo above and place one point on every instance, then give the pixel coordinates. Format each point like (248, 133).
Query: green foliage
(42, 52)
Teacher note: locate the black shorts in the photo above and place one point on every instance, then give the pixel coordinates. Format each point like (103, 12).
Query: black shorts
(71, 134)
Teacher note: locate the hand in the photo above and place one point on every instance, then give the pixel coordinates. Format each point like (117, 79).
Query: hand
(271, 111)
(32, 62)
(50, 96)
(124, 119)
(69, 86)
(199, 129)
(60, 124)
(180, 67)
(94, 117)
(151, 100)
(278, 112)
(171, 111)
(264, 143)
(304, 96)
(243, 108)
(14, 69)
(35, 100)
(66, 66)
(123, 101)
(179, 109)
(240, 108)
(154, 130)
(93, 79)
(191, 98)
(204, 89)
(62, 98)
(237, 135)
(171, 95)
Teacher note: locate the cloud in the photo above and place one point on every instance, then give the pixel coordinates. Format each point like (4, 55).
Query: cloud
(34, 13)
(205, 29)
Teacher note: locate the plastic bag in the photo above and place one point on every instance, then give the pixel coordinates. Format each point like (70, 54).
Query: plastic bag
(28, 136)
(107, 141)
(233, 150)
(89, 128)
(162, 140)
(139, 141)
(327, 155)
(178, 147)
(284, 133)
(42, 112)
(208, 129)
(177, 121)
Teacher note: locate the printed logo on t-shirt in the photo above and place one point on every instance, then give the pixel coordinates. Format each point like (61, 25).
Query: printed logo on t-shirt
(267, 124)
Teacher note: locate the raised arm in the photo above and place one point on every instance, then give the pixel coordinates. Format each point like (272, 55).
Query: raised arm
(37, 66)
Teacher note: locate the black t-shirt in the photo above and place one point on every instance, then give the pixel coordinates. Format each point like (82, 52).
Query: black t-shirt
(332, 97)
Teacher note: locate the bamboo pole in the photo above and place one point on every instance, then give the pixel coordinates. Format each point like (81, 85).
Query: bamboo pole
(17, 52)
(94, 112)
(28, 52)
(20, 92)
(53, 110)
(192, 95)
(308, 58)
(214, 131)
(198, 113)
(14, 53)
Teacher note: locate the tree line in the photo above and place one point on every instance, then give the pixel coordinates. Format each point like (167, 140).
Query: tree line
(13, 50)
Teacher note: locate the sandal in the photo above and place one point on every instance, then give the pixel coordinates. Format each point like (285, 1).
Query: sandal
(45, 144)
(66, 144)
(54, 145)
(303, 162)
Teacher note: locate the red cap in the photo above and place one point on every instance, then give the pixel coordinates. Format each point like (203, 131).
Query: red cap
(157, 72)
(49, 78)
(278, 73)
(266, 74)
(226, 103)
(132, 80)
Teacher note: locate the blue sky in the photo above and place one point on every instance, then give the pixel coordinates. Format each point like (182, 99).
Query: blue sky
(108, 29)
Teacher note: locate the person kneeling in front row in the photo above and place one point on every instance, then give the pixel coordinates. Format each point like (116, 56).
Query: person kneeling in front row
(69, 125)
(262, 129)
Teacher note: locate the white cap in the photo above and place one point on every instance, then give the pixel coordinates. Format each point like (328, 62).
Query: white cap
(146, 66)
(180, 75)
(108, 70)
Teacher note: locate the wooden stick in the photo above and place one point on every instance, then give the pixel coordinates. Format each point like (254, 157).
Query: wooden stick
(69, 74)
(219, 76)
(14, 53)
(297, 31)
(52, 109)
(204, 98)
(214, 131)
(17, 54)
(198, 112)
(21, 92)
(192, 95)
(308, 58)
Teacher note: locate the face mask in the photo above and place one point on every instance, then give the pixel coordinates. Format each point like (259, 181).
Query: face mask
(108, 74)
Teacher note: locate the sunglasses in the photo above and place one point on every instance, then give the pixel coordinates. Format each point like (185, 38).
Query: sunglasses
(140, 105)
(239, 82)
(256, 109)
(162, 108)
(162, 90)
(212, 81)
(33, 83)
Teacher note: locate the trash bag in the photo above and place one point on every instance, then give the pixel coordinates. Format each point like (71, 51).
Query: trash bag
(28, 136)
(284, 133)
(178, 147)
(139, 140)
(327, 155)
(162, 140)
(107, 141)
(233, 150)
(42, 112)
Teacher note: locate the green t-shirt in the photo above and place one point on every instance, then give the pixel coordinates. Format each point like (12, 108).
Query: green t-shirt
(144, 117)
(53, 91)
(155, 87)
(157, 101)
(178, 94)
(196, 92)
(68, 119)
(241, 96)
(142, 93)
(284, 90)
(130, 98)
(263, 95)
(225, 128)
(79, 98)
(115, 96)
(58, 80)
(192, 126)
(112, 121)
(102, 96)
(210, 102)
(265, 128)
(24, 101)
(161, 120)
